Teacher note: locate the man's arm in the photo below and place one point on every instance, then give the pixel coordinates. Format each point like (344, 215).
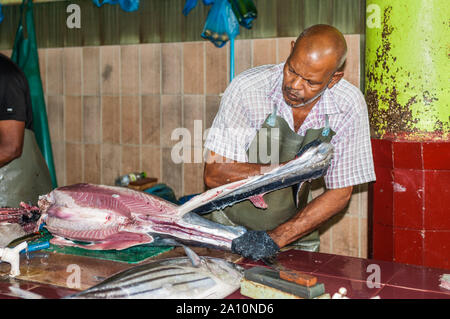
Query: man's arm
(318, 211)
(11, 140)
(220, 170)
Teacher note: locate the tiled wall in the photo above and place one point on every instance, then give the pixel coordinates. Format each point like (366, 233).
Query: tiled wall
(112, 109)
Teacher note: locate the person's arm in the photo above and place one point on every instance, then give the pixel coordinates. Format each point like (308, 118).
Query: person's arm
(220, 170)
(322, 208)
(11, 140)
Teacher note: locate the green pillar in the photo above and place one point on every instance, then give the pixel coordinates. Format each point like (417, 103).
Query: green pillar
(408, 69)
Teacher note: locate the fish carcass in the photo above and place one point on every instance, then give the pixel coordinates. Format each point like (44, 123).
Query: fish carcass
(172, 278)
(108, 217)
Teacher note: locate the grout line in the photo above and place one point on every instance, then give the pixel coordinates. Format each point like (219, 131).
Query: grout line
(182, 110)
(160, 114)
(140, 106)
(100, 88)
(83, 169)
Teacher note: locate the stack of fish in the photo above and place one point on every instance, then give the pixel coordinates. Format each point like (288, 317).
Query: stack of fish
(17, 222)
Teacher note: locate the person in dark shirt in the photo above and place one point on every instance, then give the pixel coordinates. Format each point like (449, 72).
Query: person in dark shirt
(24, 174)
(15, 110)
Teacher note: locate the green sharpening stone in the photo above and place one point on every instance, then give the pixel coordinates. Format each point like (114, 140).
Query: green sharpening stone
(271, 278)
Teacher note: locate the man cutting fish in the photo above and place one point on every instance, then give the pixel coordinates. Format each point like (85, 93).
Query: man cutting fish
(302, 100)
(23, 172)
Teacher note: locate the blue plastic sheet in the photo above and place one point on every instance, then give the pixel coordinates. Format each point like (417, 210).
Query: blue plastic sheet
(221, 24)
(126, 5)
(1, 14)
(191, 4)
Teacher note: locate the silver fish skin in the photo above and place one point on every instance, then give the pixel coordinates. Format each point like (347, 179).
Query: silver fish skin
(173, 278)
(311, 164)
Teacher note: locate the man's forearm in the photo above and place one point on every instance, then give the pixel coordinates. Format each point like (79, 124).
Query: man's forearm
(315, 213)
(218, 174)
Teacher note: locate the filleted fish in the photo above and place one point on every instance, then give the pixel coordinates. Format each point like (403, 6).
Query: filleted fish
(108, 217)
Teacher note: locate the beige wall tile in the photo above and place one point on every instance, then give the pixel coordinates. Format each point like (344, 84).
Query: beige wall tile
(264, 51)
(92, 119)
(129, 56)
(55, 115)
(111, 162)
(172, 174)
(110, 70)
(6, 53)
(171, 117)
(171, 60)
(364, 235)
(73, 119)
(353, 207)
(151, 161)
(193, 67)
(72, 71)
(193, 115)
(364, 210)
(74, 163)
(217, 75)
(151, 119)
(193, 178)
(92, 163)
(243, 55)
(91, 71)
(284, 48)
(130, 159)
(59, 158)
(110, 119)
(55, 83)
(150, 68)
(326, 238)
(345, 236)
(131, 120)
(43, 68)
(212, 104)
(352, 71)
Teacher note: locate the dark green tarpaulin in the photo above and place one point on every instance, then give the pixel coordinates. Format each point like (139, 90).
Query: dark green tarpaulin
(25, 55)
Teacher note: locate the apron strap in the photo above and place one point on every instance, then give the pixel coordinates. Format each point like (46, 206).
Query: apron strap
(273, 116)
(326, 129)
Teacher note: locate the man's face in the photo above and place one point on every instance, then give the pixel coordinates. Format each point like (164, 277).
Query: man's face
(305, 77)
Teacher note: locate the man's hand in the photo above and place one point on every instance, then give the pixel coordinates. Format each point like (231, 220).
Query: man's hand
(254, 244)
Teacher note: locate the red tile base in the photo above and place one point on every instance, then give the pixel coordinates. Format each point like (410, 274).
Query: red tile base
(409, 199)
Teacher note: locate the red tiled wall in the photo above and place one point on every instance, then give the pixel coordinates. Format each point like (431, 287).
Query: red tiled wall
(411, 214)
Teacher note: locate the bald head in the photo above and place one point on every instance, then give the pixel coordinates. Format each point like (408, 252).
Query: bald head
(322, 44)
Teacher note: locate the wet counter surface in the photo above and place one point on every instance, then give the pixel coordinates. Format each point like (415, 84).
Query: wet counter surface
(49, 274)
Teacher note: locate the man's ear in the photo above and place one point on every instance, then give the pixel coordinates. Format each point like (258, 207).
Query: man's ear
(292, 46)
(337, 76)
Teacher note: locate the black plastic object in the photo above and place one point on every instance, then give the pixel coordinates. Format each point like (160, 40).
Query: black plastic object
(245, 12)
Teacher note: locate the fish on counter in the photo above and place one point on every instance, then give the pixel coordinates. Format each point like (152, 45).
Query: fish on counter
(17, 222)
(108, 217)
(190, 277)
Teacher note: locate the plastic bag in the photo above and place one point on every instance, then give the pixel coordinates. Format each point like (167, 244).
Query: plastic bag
(221, 24)
(126, 5)
(245, 11)
(191, 4)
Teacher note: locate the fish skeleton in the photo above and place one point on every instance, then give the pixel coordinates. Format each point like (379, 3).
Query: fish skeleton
(172, 278)
(110, 217)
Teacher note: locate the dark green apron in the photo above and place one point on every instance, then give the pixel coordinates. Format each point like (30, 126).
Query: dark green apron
(282, 204)
(26, 177)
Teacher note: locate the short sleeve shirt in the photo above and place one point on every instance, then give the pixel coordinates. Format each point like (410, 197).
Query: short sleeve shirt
(15, 100)
(253, 95)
